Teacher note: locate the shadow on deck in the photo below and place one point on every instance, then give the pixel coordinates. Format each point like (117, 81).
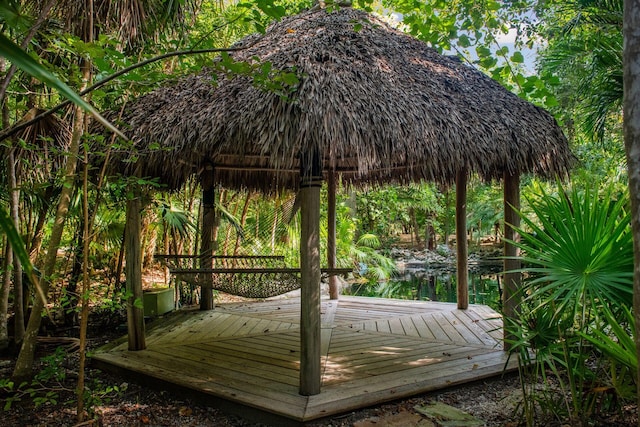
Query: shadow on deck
(246, 355)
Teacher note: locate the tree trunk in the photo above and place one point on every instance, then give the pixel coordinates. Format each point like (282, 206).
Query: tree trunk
(415, 230)
(119, 266)
(24, 363)
(274, 224)
(5, 291)
(447, 220)
(149, 238)
(4, 298)
(631, 106)
(38, 230)
(18, 290)
(71, 289)
(84, 316)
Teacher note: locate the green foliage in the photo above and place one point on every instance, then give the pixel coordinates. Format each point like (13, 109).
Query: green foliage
(614, 337)
(44, 388)
(474, 31)
(584, 53)
(578, 257)
(15, 240)
(484, 209)
(97, 393)
(578, 250)
(48, 386)
(387, 211)
(281, 82)
(21, 59)
(176, 219)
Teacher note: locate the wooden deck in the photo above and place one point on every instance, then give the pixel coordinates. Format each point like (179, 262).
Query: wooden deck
(374, 350)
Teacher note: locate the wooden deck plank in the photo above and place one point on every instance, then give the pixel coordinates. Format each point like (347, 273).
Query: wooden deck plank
(418, 374)
(259, 354)
(228, 365)
(467, 319)
(415, 352)
(173, 329)
(422, 328)
(337, 401)
(195, 327)
(396, 326)
(485, 319)
(224, 370)
(246, 393)
(383, 326)
(252, 358)
(373, 350)
(409, 327)
(371, 367)
(435, 327)
(448, 328)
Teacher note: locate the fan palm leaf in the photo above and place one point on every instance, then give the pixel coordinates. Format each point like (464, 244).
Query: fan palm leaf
(578, 250)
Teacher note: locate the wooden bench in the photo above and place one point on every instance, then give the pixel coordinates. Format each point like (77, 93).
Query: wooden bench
(255, 276)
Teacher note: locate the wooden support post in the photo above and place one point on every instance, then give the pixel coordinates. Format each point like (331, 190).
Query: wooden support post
(512, 281)
(461, 240)
(310, 339)
(207, 245)
(331, 231)
(133, 272)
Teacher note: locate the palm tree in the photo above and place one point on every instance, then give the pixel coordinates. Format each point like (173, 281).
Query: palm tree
(144, 21)
(585, 51)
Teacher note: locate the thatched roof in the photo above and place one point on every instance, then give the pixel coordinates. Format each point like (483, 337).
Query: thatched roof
(377, 104)
(43, 147)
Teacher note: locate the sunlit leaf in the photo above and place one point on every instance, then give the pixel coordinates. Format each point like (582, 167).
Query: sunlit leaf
(26, 63)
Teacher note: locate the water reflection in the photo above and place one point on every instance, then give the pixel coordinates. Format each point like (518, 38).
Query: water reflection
(429, 283)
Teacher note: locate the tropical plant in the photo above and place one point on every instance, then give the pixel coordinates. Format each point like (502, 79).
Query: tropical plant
(578, 250)
(584, 54)
(613, 337)
(578, 262)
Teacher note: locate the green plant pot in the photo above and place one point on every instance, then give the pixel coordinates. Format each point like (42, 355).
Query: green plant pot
(158, 301)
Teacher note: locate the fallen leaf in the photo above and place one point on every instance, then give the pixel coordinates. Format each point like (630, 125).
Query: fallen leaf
(185, 412)
(144, 419)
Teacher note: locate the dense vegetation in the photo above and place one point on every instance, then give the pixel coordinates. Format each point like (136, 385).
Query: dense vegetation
(63, 216)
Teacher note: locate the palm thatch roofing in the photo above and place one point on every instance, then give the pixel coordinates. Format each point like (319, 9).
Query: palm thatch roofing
(42, 149)
(378, 106)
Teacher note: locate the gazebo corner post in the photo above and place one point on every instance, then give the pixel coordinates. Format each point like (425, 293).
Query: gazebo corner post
(462, 275)
(331, 232)
(207, 245)
(512, 278)
(310, 325)
(133, 273)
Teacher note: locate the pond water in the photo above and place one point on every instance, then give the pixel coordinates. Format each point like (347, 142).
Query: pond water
(428, 282)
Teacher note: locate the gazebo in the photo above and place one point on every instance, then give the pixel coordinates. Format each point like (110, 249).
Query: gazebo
(352, 98)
